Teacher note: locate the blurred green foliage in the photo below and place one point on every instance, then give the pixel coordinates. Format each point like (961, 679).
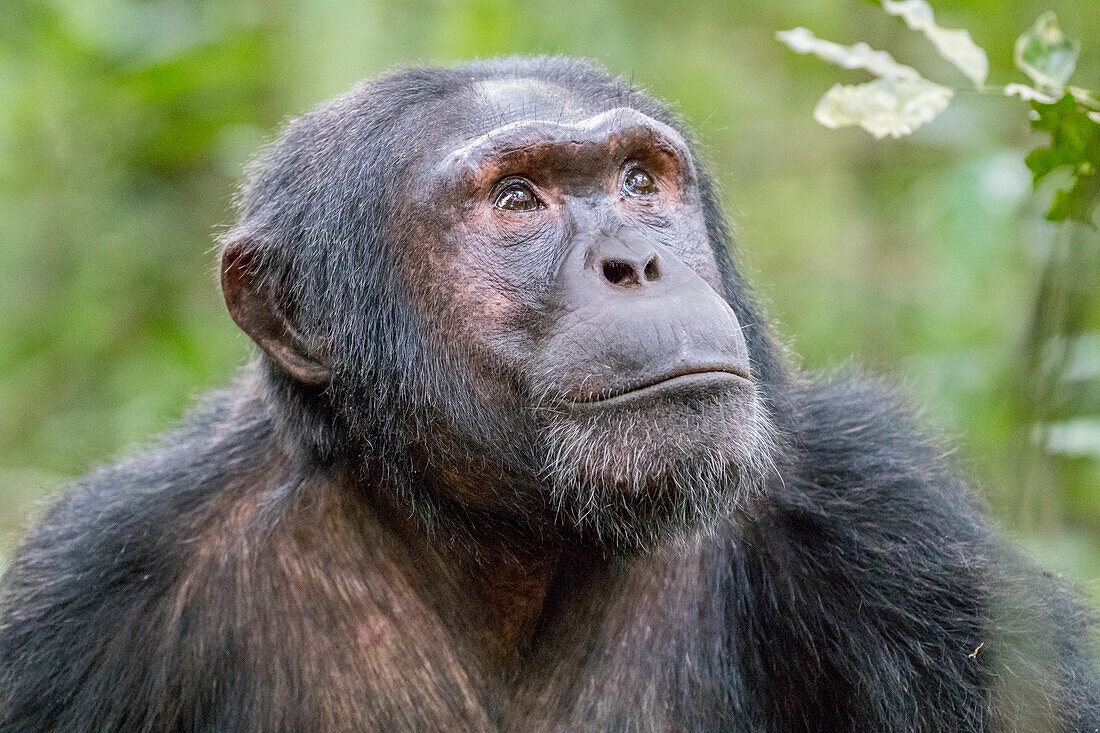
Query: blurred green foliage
(124, 127)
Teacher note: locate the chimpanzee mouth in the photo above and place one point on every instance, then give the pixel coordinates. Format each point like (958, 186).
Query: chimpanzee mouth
(700, 379)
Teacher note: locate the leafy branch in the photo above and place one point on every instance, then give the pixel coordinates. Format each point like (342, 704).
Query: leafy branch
(899, 100)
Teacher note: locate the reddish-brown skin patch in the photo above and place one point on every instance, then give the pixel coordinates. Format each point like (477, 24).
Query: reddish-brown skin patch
(385, 622)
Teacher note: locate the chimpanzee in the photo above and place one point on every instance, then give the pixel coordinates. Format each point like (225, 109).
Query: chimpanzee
(519, 453)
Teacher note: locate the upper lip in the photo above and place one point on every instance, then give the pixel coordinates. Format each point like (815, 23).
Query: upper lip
(635, 386)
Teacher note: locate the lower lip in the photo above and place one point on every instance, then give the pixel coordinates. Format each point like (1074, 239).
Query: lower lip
(701, 382)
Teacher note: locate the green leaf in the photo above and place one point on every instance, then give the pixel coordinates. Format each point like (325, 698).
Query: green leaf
(1045, 54)
(956, 46)
(1072, 134)
(1074, 142)
(1078, 203)
(894, 107)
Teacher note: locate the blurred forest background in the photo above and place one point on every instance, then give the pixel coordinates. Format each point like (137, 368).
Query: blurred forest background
(124, 127)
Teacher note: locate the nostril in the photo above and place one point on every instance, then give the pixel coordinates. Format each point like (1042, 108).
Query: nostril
(618, 272)
(652, 270)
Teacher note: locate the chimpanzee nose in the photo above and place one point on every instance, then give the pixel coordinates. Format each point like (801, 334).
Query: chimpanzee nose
(630, 273)
(624, 266)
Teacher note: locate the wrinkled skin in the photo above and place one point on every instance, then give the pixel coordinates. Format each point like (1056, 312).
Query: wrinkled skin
(596, 299)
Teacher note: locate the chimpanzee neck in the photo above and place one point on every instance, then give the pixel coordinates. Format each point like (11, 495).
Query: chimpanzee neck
(490, 588)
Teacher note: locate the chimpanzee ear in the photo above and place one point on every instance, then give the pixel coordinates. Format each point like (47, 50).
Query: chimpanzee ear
(254, 306)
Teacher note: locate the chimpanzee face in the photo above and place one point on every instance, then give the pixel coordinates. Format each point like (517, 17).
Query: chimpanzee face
(531, 319)
(562, 250)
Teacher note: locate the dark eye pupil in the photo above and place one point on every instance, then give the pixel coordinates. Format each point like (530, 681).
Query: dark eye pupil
(517, 198)
(639, 182)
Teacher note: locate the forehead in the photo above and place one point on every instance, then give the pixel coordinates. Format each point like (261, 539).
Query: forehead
(496, 103)
(502, 120)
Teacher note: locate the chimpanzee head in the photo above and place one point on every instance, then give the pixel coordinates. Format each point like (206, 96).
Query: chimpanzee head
(503, 291)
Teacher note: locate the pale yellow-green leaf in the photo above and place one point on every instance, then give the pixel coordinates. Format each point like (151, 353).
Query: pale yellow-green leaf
(956, 46)
(857, 56)
(1028, 94)
(1077, 437)
(894, 107)
(1045, 54)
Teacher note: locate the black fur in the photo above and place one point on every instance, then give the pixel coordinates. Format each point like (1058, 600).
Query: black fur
(862, 591)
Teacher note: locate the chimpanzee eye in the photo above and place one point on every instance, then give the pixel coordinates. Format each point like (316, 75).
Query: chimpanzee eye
(638, 182)
(517, 196)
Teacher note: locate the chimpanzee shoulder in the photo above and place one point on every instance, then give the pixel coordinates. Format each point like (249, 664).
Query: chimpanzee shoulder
(872, 564)
(86, 600)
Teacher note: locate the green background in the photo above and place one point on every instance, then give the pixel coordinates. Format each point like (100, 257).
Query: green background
(124, 128)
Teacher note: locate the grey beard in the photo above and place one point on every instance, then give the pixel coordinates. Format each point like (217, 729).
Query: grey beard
(635, 480)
